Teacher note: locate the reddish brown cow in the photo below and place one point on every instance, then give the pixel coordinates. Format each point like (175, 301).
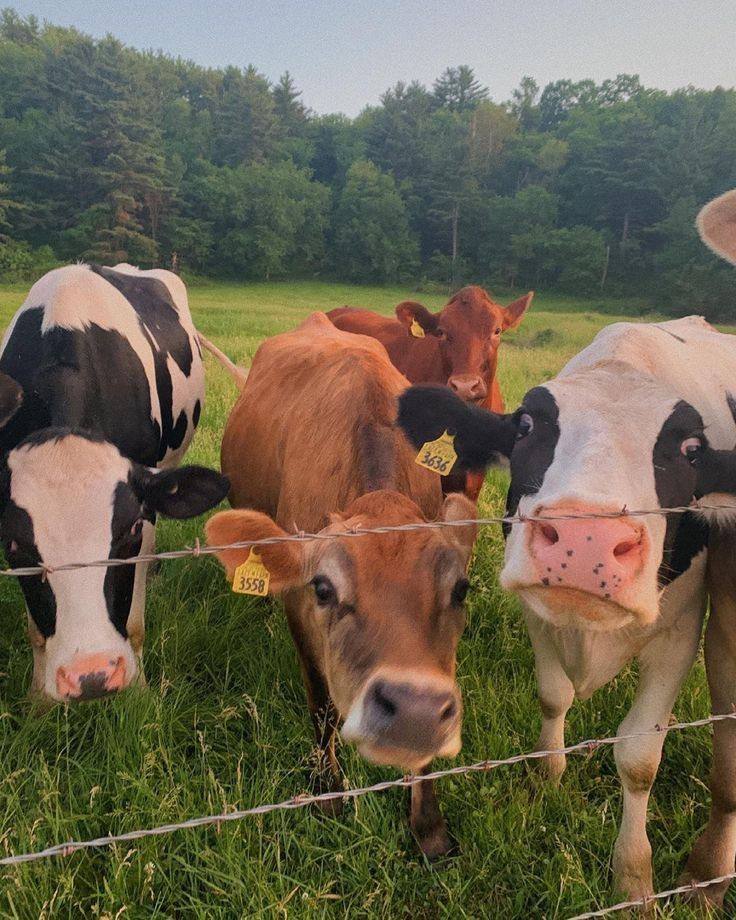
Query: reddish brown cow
(311, 444)
(459, 347)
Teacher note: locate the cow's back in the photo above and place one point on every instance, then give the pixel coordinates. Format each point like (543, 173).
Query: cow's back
(113, 351)
(314, 418)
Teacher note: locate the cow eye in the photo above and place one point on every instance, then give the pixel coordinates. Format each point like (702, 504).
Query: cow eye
(324, 590)
(525, 426)
(690, 448)
(497, 331)
(440, 333)
(460, 591)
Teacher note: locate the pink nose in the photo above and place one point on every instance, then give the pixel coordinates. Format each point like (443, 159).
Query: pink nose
(468, 386)
(91, 676)
(601, 556)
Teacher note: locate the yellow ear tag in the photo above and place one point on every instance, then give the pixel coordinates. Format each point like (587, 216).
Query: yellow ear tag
(252, 576)
(438, 456)
(416, 330)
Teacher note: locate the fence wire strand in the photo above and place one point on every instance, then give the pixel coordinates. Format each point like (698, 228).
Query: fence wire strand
(196, 551)
(303, 800)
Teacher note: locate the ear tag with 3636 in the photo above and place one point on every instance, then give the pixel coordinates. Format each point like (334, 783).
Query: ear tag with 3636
(416, 330)
(252, 576)
(439, 455)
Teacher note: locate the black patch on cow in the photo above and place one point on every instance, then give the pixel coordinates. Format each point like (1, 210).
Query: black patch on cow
(731, 405)
(533, 454)
(20, 360)
(160, 322)
(675, 481)
(125, 543)
(691, 538)
(17, 530)
(196, 413)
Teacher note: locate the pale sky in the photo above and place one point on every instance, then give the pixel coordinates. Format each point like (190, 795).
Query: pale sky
(344, 53)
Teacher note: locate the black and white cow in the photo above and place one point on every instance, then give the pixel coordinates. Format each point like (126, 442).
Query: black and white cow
(632, 422)
(104, 372)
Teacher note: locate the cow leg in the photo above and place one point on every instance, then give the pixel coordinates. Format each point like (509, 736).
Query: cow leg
(663, 666)
(136, 618)
(715, 850)
(556, 695)
(427, 824)
(327, 773)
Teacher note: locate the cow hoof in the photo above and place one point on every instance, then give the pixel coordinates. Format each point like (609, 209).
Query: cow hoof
(437, 844)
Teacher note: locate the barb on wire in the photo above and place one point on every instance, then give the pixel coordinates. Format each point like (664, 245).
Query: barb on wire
(689, 888)
(46, 569)
(302, 800)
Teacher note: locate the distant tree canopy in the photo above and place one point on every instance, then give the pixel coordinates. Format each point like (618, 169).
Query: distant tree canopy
(112, 154)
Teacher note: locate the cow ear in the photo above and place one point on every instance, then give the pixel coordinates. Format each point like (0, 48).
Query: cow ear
(409, 311)
(514, 313)
(11, 398)
(458, 507)
(426, 411)
(716, 225)
(287, 563)
(181, 493)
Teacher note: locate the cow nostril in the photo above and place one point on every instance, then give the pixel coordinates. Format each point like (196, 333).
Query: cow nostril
(448, 711)
(549, 534)
(383, 702)
(625, 547)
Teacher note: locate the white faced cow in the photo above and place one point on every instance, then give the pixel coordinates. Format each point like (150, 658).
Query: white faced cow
(623, 426)
(104, 372)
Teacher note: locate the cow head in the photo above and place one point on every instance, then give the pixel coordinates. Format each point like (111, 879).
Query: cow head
(383, 615)
(65, 497)
(580, 451)
(593, 442)
(469, 330)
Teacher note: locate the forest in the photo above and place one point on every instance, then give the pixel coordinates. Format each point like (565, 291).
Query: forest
(112, 154)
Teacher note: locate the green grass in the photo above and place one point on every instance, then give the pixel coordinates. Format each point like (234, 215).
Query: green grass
(223, 725)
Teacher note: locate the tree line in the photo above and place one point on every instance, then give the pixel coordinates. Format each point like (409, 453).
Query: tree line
(112, 154)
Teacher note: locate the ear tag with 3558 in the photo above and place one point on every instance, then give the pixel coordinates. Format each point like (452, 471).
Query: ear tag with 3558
(416, 330)
(439, 455)
(252, 576)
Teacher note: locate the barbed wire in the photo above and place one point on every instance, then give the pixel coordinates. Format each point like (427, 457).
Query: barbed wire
(689, 888)
(197, 550)
(304, 800)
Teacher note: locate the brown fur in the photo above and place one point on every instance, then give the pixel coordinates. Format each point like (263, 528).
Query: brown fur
(462, 340)
(311, 443)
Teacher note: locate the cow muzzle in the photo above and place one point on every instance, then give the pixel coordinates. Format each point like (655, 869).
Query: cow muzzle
(469, 387)
(405, 722)
(91, 676)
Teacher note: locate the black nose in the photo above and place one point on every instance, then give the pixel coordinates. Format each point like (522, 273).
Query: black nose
(93, 686)
(409, 715)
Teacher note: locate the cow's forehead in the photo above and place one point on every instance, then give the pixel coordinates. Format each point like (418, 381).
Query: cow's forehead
(613, 398)
(67, 485)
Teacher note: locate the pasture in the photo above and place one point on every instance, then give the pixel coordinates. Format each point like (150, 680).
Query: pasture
(223, 725)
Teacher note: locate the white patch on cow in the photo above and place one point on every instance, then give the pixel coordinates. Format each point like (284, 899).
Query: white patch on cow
(67, 487)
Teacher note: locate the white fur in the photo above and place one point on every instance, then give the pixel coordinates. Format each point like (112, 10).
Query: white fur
(67, 487)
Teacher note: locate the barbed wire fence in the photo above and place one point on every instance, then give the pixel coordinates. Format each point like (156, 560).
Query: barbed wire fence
(305, 800)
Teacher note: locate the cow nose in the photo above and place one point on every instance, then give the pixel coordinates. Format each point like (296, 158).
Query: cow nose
(600, 556)
(410, 716)
(90, 677)
(468, 387)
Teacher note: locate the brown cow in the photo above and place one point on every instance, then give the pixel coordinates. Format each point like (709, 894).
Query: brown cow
(459, 347)
(311, 444)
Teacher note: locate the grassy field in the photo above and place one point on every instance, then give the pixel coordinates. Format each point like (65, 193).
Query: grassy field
(223, 725)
